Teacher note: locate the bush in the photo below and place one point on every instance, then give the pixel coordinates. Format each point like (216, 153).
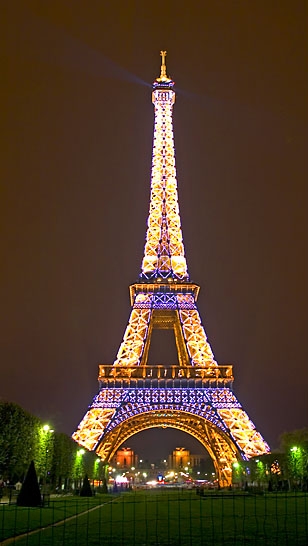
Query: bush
(30, 494)
(86, 490)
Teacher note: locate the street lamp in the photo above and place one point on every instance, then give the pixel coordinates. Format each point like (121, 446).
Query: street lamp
(296, 465)
(78, 467)
(46, 428)
(47, 432)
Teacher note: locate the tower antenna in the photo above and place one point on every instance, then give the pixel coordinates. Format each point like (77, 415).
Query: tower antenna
(163, 68)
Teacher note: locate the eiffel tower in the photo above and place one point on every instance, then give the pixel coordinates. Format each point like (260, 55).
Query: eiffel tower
(195, 395)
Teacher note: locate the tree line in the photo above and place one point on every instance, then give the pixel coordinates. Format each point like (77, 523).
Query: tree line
(58, 460)
(284, 470)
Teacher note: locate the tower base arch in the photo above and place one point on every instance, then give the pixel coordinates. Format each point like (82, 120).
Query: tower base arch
(220, 448)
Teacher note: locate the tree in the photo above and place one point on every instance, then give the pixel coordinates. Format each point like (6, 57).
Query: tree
(295, 446)
(58, 459)
(86, 490)
(30, 494)
(295, 438)
(64, 449)
(18, 440)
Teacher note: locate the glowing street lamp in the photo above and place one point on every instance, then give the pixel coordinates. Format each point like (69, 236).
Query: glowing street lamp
(296, 461)
(78, 467)
(47, 432)
(46, 428)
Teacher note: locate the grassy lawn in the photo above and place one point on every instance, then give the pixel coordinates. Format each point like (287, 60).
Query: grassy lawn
(156, 517)
(16, 520)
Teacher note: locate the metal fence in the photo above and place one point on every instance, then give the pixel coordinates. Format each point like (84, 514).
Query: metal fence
(159, 517)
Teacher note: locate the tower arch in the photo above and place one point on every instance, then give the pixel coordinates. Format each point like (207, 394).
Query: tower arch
(222, 451)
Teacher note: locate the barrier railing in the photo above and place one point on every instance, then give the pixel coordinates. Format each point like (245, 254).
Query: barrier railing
(222, 375)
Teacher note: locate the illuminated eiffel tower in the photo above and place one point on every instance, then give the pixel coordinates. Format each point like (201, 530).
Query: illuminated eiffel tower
(195, 395)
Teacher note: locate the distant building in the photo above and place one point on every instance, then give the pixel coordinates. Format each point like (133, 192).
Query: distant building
(179, 458)
(125, 457)
(182, 457)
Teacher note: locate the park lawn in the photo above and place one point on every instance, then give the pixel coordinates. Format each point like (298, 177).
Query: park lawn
(16, 520)
(179, 518)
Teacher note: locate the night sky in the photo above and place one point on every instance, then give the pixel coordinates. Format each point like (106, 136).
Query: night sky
(76, 144)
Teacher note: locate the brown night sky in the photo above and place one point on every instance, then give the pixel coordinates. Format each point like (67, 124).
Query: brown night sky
(77, 123)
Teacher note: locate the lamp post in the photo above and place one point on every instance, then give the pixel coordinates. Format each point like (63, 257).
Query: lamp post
(296, 464)
(236, 474)
(48, 431)
(79, 466)
(47, 435)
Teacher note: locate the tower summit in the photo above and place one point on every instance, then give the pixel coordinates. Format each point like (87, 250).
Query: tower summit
(194, 394)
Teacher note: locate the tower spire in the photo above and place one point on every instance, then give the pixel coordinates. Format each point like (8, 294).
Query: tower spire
(163, 69)
(164, 256)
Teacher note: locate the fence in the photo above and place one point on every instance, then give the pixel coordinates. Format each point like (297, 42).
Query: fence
(160, 517)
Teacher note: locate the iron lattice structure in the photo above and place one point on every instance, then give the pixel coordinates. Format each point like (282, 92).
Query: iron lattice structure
(195, 395)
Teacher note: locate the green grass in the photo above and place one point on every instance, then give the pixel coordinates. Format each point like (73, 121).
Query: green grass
(16, 520)
(161, 518)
